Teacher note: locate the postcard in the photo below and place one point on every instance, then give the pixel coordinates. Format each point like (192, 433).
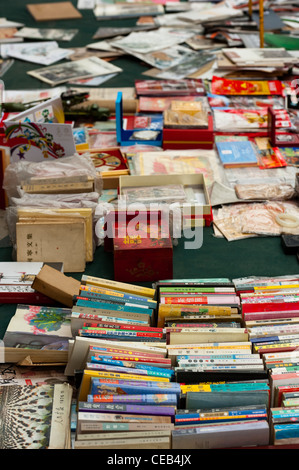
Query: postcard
(148, 41)
(126, 10)
(44, 53)
(30, 141)
(50, 110)
(73, 70)
(47, 33)
(94, 81)
(187, 67)
(166, 58)
(8, 35)
(52, 12)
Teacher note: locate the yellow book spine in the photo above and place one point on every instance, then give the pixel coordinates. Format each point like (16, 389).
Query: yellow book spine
(124, 287)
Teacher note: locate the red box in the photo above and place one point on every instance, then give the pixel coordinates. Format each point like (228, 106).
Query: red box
(189, 138)
(142, 258)
(124, 217)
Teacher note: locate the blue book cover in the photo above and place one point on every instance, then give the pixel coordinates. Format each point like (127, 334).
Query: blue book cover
(158, 399)
(160, 371)
(116, 300)
(120, 386)
(237, 154)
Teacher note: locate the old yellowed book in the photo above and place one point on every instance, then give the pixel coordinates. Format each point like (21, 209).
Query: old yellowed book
(60, 241)
(85, 213)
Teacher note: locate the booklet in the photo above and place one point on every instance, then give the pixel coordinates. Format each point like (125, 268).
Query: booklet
(44, 53)
(73, 70)
(47, 33)
(34, 142)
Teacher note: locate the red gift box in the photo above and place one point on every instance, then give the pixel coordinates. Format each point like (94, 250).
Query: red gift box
(189, 138)
(142, 256)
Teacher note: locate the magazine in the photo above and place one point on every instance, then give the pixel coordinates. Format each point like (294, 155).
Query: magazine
(170, 87)
(232, 120)
(126, 10)
(144, 42)
(47, 33)
(64, 72)
(44, 53)
(167, 58)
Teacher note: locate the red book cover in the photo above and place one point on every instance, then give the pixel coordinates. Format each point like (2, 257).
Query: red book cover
(270, 315)
(182, 87)
(224, 86)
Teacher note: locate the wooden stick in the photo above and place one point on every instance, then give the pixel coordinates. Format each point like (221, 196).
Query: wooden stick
(250, 8)
(261, 8)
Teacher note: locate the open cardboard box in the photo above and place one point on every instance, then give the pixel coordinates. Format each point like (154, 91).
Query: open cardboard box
(200, 210)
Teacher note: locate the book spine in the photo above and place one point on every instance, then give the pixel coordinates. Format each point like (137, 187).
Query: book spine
(111, 307)
(122, 326)
(120, 337)
(131, 288)
(88, 427)
(116, 417)
(98, 387)
(123, 331)
(151, 399)
(128, 370)
(101, 299)
(126, 408)
(117, 294)
(101, 317)
(202, 300)
(130, 364)
(133, 359)
(196, 290)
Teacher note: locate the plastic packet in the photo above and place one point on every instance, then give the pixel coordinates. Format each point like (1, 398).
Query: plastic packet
(270, 192)
(67, 169)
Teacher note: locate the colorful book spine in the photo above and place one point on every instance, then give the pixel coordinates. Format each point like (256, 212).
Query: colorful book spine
(129, 364)
(220, 417)
(134, 359)
(121, 286)
(113, 307)
(123, 326)
(139, 331)
(129, 370)
(119, 334)
(196, 290)
(89, 290)
(151, 399)
(98, 350)
(201, 300)
(126, 408)
(121, 386)
(107, 300)
(102, 317)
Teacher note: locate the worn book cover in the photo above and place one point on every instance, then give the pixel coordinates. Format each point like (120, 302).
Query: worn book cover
(44, 424)
(51, 241)
(39, 327)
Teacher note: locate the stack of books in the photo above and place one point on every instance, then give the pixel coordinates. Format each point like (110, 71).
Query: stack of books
(207, 344)
(127, 398)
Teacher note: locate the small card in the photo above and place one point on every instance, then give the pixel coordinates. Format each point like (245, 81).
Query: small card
(53, 11)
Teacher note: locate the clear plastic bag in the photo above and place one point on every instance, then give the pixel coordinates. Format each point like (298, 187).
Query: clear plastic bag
(67, 169)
